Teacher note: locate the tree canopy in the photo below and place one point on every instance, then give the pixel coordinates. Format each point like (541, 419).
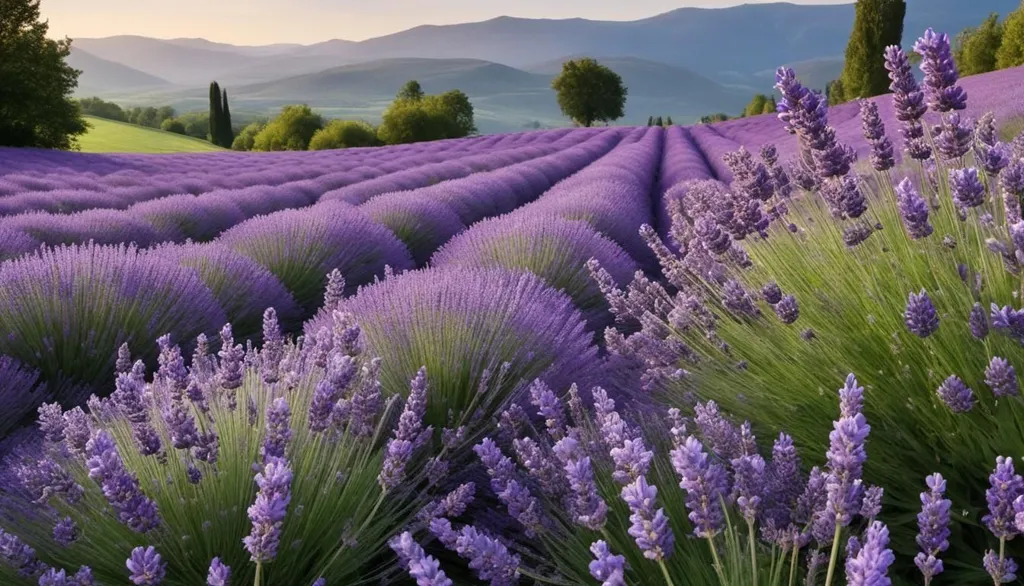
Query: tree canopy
(1011, 48)
(427, 117)
(976, 48)
(246, 138)
(410, 91)
(877, 24)
(340, 134)
(589, 92)
(36, 109)
(291, 130)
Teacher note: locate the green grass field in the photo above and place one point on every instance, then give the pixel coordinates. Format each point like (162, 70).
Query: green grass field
(108, 136)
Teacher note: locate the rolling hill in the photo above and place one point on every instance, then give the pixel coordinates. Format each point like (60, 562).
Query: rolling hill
(179, 64)
(100, 76)
(108, 136)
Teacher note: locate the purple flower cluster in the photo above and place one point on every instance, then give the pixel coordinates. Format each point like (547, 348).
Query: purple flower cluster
(268, 510)
(933, 523)
(120, 487)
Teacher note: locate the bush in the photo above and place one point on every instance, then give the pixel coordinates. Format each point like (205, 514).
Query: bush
(291, 130)
(341, 134)
(66, 311)
(421, 223)
(246, 138)
(14, 243)
(301, 246)
(554, 249)
(173, 125)
(406, 122)
(342, 498)
(102, 109)
(461, 323)
(243, 288)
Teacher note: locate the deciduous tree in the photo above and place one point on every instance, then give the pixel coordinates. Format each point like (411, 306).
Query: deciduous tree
(589, 92)
(1011, 49)
(291, 130)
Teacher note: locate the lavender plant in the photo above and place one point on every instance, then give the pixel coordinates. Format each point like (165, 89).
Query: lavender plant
(918, 294)
(282, 466)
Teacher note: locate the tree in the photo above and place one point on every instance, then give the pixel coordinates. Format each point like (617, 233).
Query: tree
(770, 106)
(1011, 50)
(36, 109)
(589, 92)
(291, 130)
(227, 134)
(976, 48)
(668, 121)
(456, 107)
(102, 109)
(341, 134)
(712, 118)
(756, 105)
(197, 124)
(173, 125)
(216, 107)
(410, 91)
(149, 116)
(650, 121)
(245, 139)
(407, 121)
(877, 24)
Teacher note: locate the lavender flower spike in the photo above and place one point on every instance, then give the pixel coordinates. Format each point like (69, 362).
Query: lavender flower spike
(967, 189)
(407, 435)
(978, 322)
(219, 574)
(1006, 486)
(278, 430)
(146, 567)
(956, 395)
(921, 318)
(940, 73)
(933, 526)
(1001, 377)
(607, 567)
(705, 485)
(871, 564)
(1002, 570)
(650, 528)
(268, 511)
(121, 487)
(913, 210)
(424, 568)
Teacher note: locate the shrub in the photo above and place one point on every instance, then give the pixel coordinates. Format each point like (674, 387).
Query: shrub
(291, 130)
(14, 243)
(342, 134)
(20, 393)
(461, 323)
(301, 246)
(173, 125)
(171, 473)
(554, 249)
(422, 224)
(242, 287)
(65, 311)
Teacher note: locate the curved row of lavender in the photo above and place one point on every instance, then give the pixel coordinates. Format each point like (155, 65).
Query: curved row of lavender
(152, 216)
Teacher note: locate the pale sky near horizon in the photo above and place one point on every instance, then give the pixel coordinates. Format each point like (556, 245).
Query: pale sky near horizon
(261, 22)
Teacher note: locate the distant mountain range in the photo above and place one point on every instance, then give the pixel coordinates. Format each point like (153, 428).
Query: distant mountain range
(686, 62)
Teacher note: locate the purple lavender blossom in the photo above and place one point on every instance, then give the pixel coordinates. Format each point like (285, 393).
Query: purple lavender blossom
(846, 456)
(871, 506)
(1008, 320)
(407, 435)
(424, 568)
(940, 73)
(993, 158)
(870, 565)
(967, 189)
(736, 299)
(787, 309)
(489, 557)
(51, 421)
(273, 348)
(589, 509)
(913, 210)
(219, 573)
(908, 99)
(146, 567)
(549, 407)
(1002, 570)
(632, 460)
(749, 485)
(1012, 182)
(334, 293)
(19, 555)
(278, 431)
(985, 132)
(522, 506)
(771, 293)
(1005, 486)
(341, 371)
(1001, 377)
(711, 235)
(956, 395)
(607, 567)
(978, 322)
(933, 527)
(65, 532)
(954, 137)
(231, 370)
(120, 487)
(268, 510)
(181, 424)
(45, 478)
(172, 373)
(452, 505)
(920, 316)
(856, 234)
(650, 528)
(705, 485)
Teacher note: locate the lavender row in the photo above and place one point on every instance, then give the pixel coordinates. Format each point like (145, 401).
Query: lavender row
(682, 161)
(426, 218)
(200, 218)
(78, 198)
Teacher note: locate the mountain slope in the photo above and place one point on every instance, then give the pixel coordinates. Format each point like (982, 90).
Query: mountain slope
(180, 64)
(100, 76)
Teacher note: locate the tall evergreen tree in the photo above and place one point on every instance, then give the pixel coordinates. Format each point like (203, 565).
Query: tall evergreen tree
(227, 134)
(657, 121)
(878, 24)
(668, 121)
(650, 121)
(216, 107)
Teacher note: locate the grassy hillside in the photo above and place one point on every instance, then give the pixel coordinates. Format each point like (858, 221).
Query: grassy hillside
(107, 136)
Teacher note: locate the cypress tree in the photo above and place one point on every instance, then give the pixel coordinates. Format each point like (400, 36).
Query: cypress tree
(657, 121)
(668, 121)
(878, 24)
(227, 135)
(215, 113)
(650, 121)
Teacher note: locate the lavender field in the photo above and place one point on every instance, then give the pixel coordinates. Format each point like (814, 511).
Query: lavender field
(776, 350)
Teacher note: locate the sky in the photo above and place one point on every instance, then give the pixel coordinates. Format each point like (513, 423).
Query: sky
(262, 22)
